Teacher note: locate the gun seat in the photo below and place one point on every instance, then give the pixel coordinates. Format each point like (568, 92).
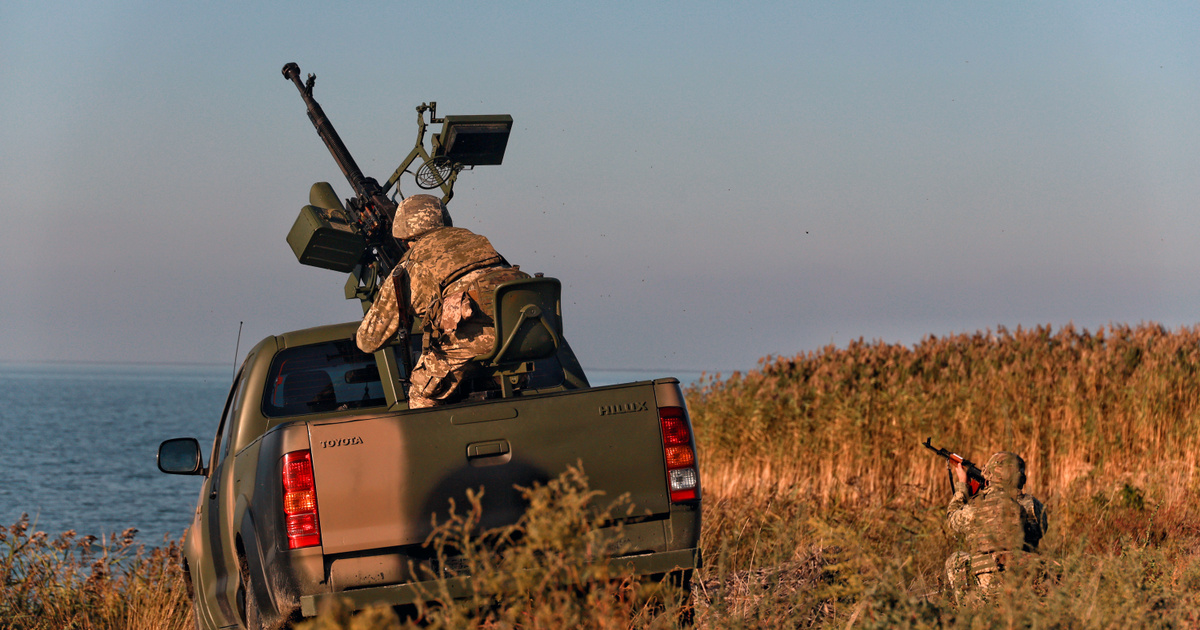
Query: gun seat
(528, 316)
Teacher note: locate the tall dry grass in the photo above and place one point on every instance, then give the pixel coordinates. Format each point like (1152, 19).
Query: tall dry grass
(823, 510)
(1129, 558)
(841, 424)
(85, 583)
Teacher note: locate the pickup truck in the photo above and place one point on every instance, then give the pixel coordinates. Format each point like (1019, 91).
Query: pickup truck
(322, 483)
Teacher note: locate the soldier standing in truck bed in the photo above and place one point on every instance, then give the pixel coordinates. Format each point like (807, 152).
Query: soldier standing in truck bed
(1001, 526)
(447, 278)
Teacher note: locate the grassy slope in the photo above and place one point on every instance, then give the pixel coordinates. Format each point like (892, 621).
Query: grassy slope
(813, 463)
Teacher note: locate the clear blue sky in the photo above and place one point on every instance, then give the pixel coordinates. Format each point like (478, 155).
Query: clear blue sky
(713, 182)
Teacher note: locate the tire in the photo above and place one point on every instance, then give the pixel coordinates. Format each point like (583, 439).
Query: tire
(248, 607)
(192, 595)
(679, 592)
(687, 610)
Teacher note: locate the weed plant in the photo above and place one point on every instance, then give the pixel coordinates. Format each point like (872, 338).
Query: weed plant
(73, 582)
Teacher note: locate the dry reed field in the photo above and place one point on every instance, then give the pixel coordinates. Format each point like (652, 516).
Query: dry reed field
(825, 511)
(822, 509)
(1082, 408)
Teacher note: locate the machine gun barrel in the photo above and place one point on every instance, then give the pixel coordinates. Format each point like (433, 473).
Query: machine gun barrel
(328, 134)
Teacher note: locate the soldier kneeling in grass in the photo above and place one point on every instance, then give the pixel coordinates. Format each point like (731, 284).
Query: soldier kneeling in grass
(1002, 525)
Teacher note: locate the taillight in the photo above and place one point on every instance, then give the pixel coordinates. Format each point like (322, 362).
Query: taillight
(300, 501)
(683, 478)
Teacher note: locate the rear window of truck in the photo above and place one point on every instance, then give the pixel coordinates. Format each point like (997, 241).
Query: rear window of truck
(329, 376)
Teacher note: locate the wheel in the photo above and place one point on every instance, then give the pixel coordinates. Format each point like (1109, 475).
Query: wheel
(196, 614)
(192, 595)
(247, 607)
(687, 609)
(677, 596)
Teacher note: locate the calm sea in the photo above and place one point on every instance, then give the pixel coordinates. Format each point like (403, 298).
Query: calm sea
(78, 442)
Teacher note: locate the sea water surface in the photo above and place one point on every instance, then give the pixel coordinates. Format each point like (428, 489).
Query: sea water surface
(78, 442)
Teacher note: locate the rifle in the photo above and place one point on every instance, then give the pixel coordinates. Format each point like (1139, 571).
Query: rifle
(975, 479)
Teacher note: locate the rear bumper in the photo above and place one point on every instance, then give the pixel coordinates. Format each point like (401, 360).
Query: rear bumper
(460, 587)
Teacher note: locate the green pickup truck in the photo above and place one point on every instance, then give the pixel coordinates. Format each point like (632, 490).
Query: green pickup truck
(322, 483)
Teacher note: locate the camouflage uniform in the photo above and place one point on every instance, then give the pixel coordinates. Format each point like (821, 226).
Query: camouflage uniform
(446, 278)
(1001, 526)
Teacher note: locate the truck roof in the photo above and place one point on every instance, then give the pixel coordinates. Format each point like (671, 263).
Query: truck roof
(317, 334)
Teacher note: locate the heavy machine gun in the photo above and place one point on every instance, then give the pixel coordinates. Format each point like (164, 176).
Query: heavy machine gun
(356, 237)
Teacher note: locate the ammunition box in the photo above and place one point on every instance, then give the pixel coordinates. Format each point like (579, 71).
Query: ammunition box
(324, 238)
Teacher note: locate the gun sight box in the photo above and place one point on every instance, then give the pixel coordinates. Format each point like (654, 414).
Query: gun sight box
(473, 140)
(324, 238)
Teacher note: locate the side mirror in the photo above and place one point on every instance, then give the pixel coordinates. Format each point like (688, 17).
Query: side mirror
(180, 456)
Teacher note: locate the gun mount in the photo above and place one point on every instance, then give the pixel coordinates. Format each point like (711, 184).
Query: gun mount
(464, 142)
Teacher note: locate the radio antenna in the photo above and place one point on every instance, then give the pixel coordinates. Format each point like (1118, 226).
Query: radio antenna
(237, 346)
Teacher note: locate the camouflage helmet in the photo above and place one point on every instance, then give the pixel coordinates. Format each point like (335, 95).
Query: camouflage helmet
(1006, 470)
(419, 214)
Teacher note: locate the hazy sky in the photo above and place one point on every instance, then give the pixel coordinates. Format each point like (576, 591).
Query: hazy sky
(713, 182)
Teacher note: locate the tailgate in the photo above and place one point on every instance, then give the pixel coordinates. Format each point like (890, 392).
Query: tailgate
(380, 479)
